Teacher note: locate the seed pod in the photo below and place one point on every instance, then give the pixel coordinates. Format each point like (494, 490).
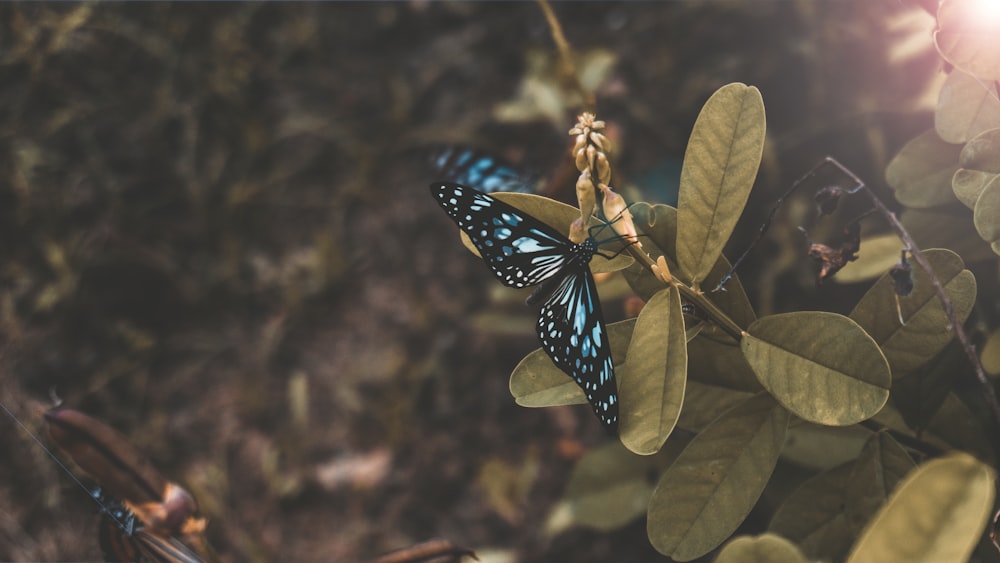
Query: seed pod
(585, 196)
(614, 206)
(581, 159)
(603, 168)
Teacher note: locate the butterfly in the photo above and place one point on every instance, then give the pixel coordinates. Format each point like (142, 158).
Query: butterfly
(476, 168)
(123, 537)
(140, 529)
(523, 251)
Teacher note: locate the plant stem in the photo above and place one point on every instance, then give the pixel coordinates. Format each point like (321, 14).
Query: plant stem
(949, 309)
(566, 56)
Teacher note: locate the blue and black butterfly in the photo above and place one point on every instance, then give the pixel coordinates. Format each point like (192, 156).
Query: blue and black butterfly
(480, 170)
(523, 251)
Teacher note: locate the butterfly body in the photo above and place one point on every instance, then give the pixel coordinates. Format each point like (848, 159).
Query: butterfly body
(523, 251)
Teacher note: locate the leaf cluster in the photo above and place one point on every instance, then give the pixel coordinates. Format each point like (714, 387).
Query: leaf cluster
(961, 151)
(747, 388)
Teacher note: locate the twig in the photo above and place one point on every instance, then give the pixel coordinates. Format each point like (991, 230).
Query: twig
(566, 55)
(949, 309)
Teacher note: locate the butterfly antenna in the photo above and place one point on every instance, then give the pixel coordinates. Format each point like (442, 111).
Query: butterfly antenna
(55, 458)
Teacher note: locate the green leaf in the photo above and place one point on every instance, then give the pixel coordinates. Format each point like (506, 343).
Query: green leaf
(821, 366)
(966, 37)
(952, 427)
(608, 488)
(919, 396)
(765, 548)
(721, 364)
(986, 214)
(537, 382)
(921, 173)
(926, 332)
(720, 165)
(704, 403)
(965, 108)
(813, 515)
(947, 227)
(651, 382)
(559, 216)
(878, 253)
(990, 353)
(936, 514)
(969, 184)
(715, 482)
(980, 153)
(823, 447)
(881, 466)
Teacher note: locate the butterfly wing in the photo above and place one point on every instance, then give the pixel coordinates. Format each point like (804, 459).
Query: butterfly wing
(519, 249)
(571, 329)
(480, 170)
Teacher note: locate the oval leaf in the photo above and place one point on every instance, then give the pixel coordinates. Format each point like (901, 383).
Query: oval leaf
(559, 216)
(990, 354)
(765, 548)
(936, 514)
(946, 227)
(651, 382)
(821, 366)
(720, 165)
(980, 153)
(965, 108)
(966, 37)
(720, 364)
(877, 254)
(813, 515)
(881, 466)
(908, 347)
(705, 495)
(952, 427)
(823, 447)
(986, 214)
(537, 382)
(919, 396)
(921, 173)
(608, 488)
(969, 184)
(704, 403)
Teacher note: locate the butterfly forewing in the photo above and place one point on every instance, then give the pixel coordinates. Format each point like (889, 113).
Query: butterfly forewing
(571, 329)
(520, 249)
(523, 251)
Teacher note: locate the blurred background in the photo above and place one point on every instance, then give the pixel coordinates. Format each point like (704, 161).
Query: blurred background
(216, 236)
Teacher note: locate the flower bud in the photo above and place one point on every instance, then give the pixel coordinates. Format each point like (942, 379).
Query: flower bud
(585, 196)
(621, 219)
(603, 168)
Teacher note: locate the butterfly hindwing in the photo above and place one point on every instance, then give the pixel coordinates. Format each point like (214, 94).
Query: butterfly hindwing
(572, 331)
(520, 249)
(480, 170)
